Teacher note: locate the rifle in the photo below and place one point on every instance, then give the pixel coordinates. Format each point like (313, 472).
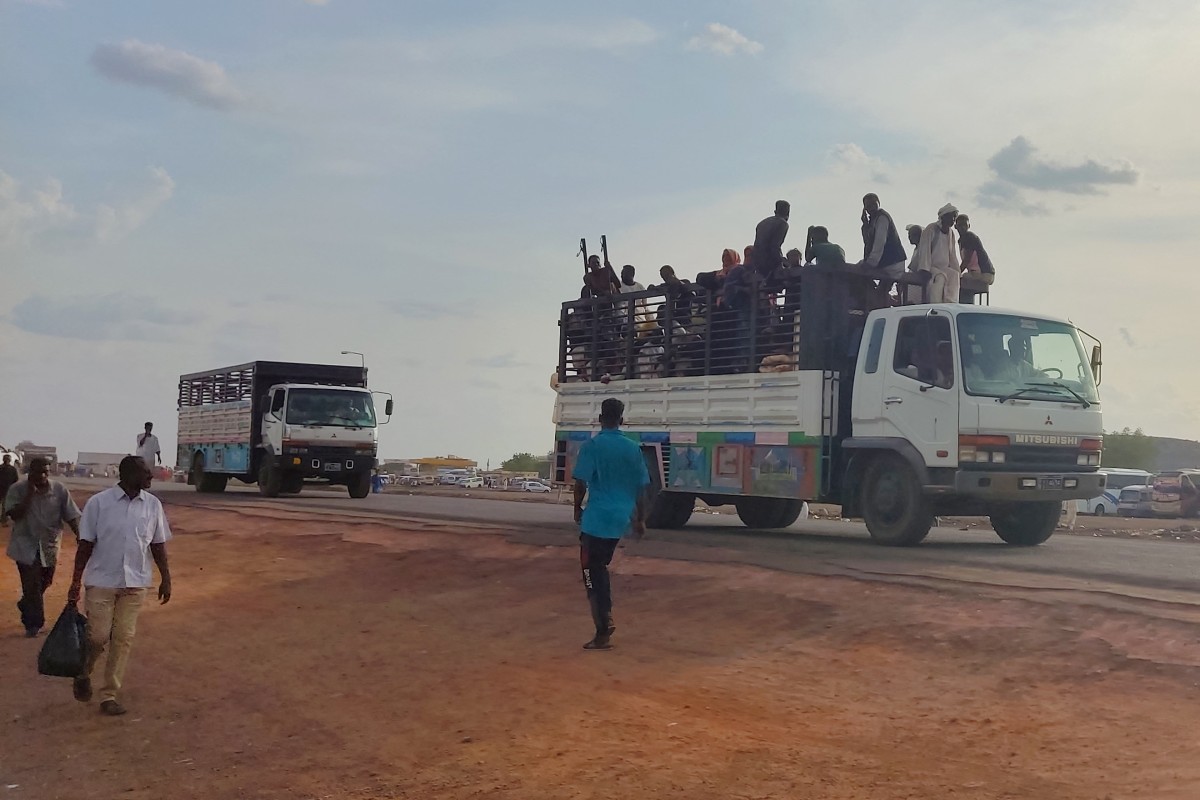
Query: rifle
(608, 267)
(584, 253)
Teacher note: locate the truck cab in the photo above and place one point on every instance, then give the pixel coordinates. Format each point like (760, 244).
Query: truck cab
(991, 412)
(311, 431)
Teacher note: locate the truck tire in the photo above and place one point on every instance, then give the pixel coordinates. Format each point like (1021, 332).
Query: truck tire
(670, 510)
(768, 512)
(1027, 524)
(893, 506)
(206, 482)
(360, 485)
(270, 477)
(293, 483)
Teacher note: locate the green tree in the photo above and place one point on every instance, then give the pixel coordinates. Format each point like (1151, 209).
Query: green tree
(522, 462)
(1130, 449)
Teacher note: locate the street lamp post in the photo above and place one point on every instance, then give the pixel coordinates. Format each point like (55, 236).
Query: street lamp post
(361, 358)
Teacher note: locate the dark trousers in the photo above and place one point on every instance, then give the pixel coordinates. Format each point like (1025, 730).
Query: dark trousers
(35, 580)
(595, 554)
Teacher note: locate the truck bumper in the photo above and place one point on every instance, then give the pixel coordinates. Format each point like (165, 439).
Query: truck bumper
(1025, 485)
(330, 464)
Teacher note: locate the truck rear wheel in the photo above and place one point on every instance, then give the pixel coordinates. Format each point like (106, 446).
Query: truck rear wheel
(360, 485)
(1027, 524)
(896, 512)
(768, 512)
(270, 477)
(207, 482)
(670, 510)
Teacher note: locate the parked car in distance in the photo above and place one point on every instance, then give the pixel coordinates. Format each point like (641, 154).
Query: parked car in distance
(408, 480)
(471, 483)
(427, 480)
(1136, 501)
(449, 480)
(535, 486)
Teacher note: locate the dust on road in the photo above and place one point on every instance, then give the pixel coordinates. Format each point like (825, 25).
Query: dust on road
(305, 657)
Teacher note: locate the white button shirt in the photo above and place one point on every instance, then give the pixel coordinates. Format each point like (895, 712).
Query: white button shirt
(123, 530)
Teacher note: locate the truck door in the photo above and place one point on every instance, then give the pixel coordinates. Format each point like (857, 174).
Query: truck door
(921, 388)
(272, 423)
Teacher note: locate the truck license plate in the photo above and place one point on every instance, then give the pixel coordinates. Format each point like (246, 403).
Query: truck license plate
(336, 467)
(1054, 482)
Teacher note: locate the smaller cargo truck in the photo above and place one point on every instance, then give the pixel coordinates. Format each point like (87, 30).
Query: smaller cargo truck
(280, 425)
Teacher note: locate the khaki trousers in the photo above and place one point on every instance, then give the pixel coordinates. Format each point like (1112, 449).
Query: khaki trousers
(112, 620)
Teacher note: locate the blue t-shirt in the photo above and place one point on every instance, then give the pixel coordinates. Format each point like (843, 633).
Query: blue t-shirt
(615, 473)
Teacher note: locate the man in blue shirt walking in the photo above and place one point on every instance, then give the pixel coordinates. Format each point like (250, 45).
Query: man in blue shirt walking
(611, 472)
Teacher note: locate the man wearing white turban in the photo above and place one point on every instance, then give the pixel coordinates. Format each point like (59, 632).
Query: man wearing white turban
(937, 254)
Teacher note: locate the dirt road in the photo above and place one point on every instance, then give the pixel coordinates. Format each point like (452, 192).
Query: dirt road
(307, 657)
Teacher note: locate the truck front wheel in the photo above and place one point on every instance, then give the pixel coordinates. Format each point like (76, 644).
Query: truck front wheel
(1027, 524)
(896, 512)
(360, 485)
(270, 477)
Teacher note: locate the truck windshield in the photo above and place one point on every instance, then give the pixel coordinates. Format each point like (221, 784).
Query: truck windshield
(1034, 359)
(330, 407)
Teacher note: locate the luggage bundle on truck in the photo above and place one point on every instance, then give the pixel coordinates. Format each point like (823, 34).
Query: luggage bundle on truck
(279, 424)
(813, 392)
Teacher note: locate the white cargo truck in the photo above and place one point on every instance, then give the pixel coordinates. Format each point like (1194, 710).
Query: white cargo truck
(278, 424)
(898, 414)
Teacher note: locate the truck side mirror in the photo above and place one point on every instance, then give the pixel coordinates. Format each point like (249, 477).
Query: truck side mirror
(387, 408)
(1096, 363)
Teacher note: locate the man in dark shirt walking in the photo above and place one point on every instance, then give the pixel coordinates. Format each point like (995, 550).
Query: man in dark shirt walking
(38, 507)
(612, 474)
(767, 254)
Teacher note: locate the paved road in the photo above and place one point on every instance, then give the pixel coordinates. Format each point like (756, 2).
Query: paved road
(1164, 571)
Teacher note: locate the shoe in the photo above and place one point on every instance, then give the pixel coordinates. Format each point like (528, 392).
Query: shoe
(111, 708)
(82, 689)
(601, 642)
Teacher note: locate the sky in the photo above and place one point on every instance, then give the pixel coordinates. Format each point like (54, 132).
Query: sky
(185, 186)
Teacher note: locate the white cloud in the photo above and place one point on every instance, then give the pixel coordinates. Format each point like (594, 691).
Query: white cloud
(175, 72)
(116, 222)
(724, 40)
(28, 214)
(852, 159)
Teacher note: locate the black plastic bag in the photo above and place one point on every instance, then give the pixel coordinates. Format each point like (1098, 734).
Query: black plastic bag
(64, 652)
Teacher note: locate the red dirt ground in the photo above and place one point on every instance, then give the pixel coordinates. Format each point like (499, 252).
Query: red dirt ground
(304, 657)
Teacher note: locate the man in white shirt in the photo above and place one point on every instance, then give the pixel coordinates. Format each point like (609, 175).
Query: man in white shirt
(121, 530)
(938, 255)
(147, 447)
(640, 315)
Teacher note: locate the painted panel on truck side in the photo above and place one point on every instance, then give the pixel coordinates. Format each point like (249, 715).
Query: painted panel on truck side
(689, 467)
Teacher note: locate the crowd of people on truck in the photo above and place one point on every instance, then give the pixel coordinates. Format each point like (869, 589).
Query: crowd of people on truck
(753, 296)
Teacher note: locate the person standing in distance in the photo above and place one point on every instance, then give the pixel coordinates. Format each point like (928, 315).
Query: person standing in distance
(8, 476)
(769, 235)
(612, 474)
(39, 507)
(122, 529)
(147, 447)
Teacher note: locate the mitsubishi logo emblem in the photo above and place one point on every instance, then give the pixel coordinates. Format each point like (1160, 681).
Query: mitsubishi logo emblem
(1048, 420)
